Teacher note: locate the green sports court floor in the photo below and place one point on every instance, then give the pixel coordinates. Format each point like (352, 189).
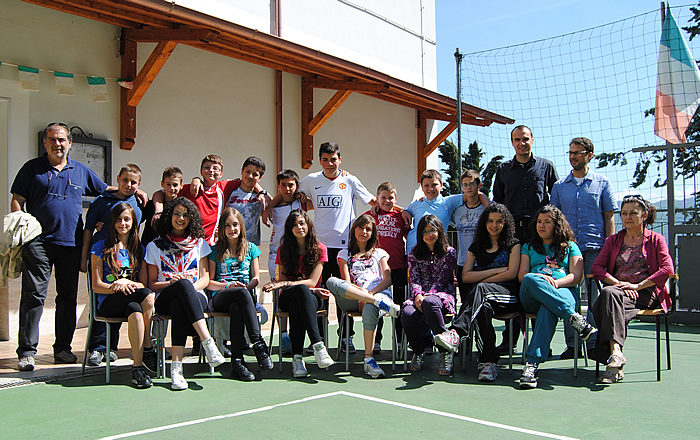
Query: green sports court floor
(337, 404)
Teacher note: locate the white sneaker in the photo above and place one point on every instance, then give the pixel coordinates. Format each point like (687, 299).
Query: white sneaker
(178, 380)
(372, 369)
(323, 359)
(448, 340)
(214, 356)
(298, 366)
(383, 302)
(488, 372)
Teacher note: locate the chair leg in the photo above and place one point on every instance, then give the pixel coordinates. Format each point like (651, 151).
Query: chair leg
(658, 348)
(404, 346)
(668, 344)
(87, 343)
(279, 350)
(393, 344)
(347, 351)
(576, 345)
(108, 350)
(510, 347)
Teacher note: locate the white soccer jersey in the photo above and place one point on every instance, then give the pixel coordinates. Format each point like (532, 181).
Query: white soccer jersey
(334, 202)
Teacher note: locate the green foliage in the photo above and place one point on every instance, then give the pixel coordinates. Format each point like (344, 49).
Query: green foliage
(470, 160)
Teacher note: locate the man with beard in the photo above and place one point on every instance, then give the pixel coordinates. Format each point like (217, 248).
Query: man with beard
(586, 199)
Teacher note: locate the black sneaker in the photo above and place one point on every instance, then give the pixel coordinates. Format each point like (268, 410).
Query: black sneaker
(528, 379)
(225, 352)
(65, 357)
(264, 361)
(239, 370)
(139, 378)
(150, 359)
(584, 329)
(569, 353)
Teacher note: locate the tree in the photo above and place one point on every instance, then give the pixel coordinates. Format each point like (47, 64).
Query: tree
(470, 160)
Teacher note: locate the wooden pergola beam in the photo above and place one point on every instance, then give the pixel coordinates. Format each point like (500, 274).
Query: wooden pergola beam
(348, 85)
(327, 111)
(127, 113)
(150, 70)
(422, 134)
(177, 35)
(307, 111)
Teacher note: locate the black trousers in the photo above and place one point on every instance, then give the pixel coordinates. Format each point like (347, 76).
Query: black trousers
(238, 302)
(185, 306)
(301, 305)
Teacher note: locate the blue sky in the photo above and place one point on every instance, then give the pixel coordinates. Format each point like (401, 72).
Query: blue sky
(478, 26)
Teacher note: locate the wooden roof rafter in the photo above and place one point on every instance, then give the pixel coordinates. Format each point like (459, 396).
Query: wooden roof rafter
(168, 24)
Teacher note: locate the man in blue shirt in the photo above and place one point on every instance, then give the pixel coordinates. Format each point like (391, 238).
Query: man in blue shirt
(586, 198)
(51, 188)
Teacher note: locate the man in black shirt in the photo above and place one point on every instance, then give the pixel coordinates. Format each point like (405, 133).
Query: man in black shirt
(524, 183)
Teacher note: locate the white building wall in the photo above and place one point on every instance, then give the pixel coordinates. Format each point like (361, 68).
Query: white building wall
(384, 35)
(200, 103)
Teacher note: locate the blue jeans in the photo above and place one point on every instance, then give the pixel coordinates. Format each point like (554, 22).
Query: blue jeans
(550, 304)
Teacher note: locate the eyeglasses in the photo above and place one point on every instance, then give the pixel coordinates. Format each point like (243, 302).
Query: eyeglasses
(633, 197)
(430, 231)
(469, 185)
(578, 153)
(181, 214)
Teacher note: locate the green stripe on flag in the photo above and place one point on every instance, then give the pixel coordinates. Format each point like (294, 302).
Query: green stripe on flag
(96, 80)
(63, 75)
(27, 69)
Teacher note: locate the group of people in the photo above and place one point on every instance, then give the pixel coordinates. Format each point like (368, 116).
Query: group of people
(198, 251)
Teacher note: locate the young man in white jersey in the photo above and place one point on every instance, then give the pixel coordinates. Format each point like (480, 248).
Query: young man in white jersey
(333, 196)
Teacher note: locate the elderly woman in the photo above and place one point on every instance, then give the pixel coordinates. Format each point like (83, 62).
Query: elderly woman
(634, 265)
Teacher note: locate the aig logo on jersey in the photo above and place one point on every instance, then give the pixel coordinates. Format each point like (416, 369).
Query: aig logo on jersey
(332, 201)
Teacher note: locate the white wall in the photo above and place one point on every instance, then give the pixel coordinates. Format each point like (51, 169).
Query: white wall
(200, 103)
(338, 28)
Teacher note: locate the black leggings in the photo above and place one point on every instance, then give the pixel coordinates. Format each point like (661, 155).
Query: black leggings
(185, 306)
(118, 305)
(238, 302)
(301, 305)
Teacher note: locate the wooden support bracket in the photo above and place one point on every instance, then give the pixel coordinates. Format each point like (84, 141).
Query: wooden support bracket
(150, 70)
(327, 111)
(424, 148)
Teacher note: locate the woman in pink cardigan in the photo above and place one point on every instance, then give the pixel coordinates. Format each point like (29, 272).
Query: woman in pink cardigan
(634, 265)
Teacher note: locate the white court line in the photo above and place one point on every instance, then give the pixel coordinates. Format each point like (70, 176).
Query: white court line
(348, 394)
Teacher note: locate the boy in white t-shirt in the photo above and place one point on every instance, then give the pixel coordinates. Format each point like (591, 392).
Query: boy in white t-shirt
(333, 195)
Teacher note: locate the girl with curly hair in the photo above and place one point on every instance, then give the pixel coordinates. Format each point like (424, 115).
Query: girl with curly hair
(119, 278)
(491, 268)
(234, 263)
(431, 266)
(300, 261)
(551, 268)
(178, 272)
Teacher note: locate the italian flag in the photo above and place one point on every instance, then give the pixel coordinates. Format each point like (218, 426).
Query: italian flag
(677, 84)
